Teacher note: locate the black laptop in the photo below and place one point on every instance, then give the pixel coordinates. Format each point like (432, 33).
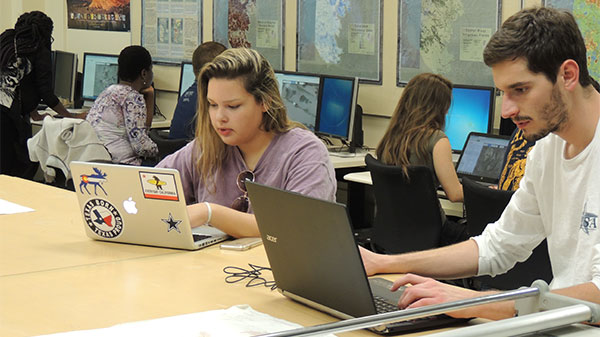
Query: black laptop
(315, 260)
(482, 157)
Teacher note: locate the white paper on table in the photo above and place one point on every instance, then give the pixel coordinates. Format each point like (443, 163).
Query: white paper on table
(7, 207)
(236, 321)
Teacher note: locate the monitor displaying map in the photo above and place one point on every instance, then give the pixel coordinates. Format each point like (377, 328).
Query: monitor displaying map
(99, 71)
(300, 93)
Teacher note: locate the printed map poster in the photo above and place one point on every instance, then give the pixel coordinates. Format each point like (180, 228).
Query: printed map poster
(256, 24)
(447, 38)
(110, 15)
(587, 14)
(340, 38)
(531, 3)
(171, 29)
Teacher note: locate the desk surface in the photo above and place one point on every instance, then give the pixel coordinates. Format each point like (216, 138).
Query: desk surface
(355, 160)
(52, 236)
(54, 278)
(159, 122)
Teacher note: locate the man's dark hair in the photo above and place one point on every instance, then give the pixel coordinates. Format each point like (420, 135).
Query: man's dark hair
(32, 31)
(205, 53)
(545, 37)
(132, 60)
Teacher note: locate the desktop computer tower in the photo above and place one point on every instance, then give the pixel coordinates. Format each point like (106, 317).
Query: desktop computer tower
(77, 99)
(357, 130)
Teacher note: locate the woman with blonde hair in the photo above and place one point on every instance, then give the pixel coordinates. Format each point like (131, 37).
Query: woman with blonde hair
(244, 133)
(415, 135)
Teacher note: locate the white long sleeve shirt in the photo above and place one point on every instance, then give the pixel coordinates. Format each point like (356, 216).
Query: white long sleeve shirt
(558, 199)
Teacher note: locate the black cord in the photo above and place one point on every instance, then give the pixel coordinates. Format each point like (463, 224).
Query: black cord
(158, 112)
(237, 274)
(345, 143)
(325, 139)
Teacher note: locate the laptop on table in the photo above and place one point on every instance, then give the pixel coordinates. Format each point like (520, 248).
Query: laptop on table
(482, 157)
(315, 260)
(138, 205)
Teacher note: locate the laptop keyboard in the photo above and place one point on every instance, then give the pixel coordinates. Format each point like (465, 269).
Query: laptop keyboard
(198, 237)
(382, 306)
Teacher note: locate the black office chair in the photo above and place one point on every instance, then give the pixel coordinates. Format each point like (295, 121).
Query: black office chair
(166, 146)
(484, 205)
(407, 214)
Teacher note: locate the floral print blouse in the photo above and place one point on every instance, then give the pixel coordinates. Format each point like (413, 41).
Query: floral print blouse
(119, 118)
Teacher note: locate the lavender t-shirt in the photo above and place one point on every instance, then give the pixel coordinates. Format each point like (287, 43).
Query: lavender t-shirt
(295, 161)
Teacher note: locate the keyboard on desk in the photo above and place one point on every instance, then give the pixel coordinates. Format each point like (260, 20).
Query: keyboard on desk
(342, 154)
(386, 303)
(383, 306)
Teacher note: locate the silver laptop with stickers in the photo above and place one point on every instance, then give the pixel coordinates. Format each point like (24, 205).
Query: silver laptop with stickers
(138, 205)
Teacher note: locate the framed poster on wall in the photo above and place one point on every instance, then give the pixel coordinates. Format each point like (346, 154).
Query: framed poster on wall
(171, 29)
(111, 15)
(340, 38)
(447, 38)
(251, 24)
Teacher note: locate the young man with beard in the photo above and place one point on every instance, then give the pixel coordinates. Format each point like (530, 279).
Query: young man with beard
(538, 58)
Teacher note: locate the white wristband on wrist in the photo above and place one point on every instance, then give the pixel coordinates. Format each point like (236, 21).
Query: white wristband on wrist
(209, 211)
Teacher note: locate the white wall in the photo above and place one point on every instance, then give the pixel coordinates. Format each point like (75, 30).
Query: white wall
(375, 99)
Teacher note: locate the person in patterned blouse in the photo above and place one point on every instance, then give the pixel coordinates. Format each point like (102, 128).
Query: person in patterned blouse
(122, 113)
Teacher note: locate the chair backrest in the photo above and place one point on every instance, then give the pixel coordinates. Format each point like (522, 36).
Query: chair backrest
(165, 145)
(408, 216)
(484, 205)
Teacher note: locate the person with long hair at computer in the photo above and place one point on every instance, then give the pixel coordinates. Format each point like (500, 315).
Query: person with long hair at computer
(122, 113)
(244, 133)
(415, 136)
(25, 81)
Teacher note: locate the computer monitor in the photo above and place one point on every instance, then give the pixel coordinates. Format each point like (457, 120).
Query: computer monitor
(64, 71)
(187, 77)
(471, 110)
(300, 94)
(337, 106)
(99, 72)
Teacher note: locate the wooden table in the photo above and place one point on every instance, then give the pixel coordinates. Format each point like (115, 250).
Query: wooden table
(53, 278)
(52, 236)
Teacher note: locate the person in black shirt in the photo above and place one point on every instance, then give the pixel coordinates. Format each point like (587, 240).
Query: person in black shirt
(25, 81)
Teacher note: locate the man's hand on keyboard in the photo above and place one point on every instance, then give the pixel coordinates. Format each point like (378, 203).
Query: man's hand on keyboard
(425, 291)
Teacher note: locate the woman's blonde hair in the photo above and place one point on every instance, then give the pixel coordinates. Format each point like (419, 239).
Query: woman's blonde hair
(420, 112)
(258, 78)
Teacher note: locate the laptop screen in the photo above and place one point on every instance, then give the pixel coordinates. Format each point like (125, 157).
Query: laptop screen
(482, 157)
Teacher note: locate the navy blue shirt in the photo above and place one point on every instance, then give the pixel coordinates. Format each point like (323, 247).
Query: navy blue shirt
(183, 124)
